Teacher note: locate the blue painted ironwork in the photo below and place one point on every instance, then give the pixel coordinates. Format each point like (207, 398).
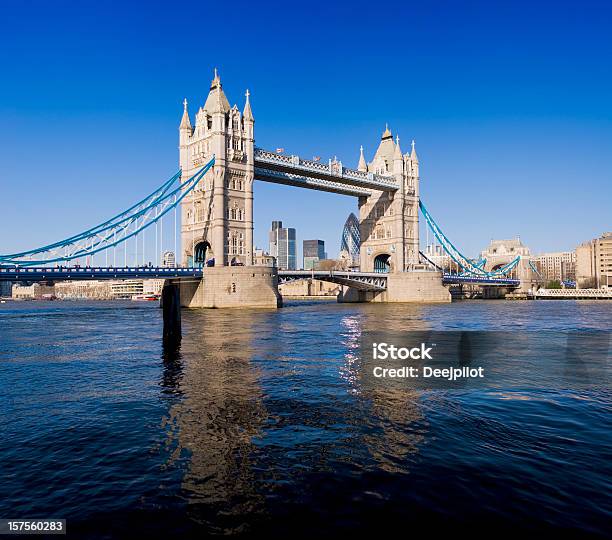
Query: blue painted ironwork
(74, 273)
(466, 264)
(535, 269)
(115, 230)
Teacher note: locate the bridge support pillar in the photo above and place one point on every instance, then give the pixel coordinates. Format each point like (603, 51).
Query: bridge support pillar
(416, 286)
(233, 287)
(171, 306)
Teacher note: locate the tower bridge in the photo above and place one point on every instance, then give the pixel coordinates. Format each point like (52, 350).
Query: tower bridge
(214, 194)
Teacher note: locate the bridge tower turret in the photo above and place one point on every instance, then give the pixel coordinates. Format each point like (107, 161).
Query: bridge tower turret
(411, 186)
(217, 217)
(389, 221)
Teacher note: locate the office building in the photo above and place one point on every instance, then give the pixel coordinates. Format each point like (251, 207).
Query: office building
(350, 243)
(312, 251)
(6, 289)
(558, 266)
(283, 246)
(594, 263)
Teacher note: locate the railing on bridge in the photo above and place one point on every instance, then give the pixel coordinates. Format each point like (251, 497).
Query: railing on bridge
(577, 294)
(477, 280)
(365, 281)
(321, 184)
(69, 273)
(333, 170)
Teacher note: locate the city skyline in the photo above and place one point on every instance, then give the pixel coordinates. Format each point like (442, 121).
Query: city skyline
(513, 126)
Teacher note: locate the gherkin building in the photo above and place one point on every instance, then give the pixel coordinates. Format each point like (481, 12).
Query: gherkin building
(351, 241)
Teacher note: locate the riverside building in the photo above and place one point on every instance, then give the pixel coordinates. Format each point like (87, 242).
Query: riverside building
(594, 263)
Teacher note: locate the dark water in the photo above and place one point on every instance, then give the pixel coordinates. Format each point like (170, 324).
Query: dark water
(269, 423)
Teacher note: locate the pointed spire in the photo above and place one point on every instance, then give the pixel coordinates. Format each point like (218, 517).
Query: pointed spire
(185, 122)
(216, 101)
(387, 133)
(248, 113)
(362, 162)
(413, 153)
(397, 154)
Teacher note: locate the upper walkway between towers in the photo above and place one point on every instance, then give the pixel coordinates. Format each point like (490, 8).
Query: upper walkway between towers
(331, 176)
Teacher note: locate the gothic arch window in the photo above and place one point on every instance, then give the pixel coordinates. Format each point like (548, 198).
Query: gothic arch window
(236, 123)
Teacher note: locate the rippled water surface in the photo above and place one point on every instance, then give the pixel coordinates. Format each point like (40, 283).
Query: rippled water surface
(268, 421)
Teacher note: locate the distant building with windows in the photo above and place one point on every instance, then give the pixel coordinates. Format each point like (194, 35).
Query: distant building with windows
(594, 263)
(261, 258)
(6, 289)
(168, 259)
(86, 289)
(36, 291)
(558, 266)
(125, 289)
(283, 246)
(312, 251)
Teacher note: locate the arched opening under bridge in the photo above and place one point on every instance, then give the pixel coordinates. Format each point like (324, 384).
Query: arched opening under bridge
(382, 263)
(202, 251)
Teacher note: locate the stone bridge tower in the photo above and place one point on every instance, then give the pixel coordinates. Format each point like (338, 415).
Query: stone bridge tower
(389, 222)
(217, 216)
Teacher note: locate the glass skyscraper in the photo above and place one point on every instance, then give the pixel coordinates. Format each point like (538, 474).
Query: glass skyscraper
(351, 240)
(313, 251)
(283, 246)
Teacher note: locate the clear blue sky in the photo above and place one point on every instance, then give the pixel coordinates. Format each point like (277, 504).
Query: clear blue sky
(510, 104)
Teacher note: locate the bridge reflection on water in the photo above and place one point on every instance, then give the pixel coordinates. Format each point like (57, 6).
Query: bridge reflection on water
(281, 424)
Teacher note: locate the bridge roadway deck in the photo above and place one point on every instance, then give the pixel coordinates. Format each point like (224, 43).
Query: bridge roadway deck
(370, 281)
(71, 273)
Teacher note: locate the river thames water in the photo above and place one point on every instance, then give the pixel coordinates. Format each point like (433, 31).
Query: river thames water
(270, 422)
